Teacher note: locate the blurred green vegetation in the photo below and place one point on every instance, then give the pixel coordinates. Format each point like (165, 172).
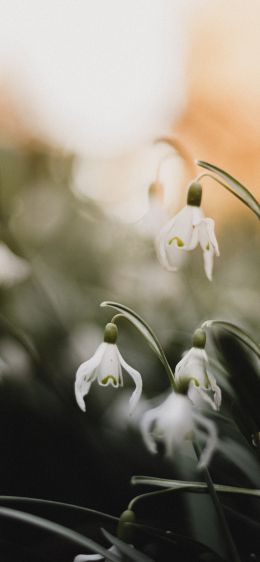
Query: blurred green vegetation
(51, 321)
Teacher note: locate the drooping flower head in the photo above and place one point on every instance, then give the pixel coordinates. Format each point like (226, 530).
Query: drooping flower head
(192, 376)
(105, 366)
(174, 421)
(185, 231)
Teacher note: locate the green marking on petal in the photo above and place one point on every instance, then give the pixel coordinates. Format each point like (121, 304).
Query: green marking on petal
(196, 382)
(207, 247)
(179, 241)
(109, 378)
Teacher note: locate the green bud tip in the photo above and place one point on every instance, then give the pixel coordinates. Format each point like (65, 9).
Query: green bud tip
(110, 333)
(194, 194)
(124, 531)
(199, 338)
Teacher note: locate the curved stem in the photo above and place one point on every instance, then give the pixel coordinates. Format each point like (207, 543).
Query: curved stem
(116, 317)
(187, 486)
(207, 175)
(52, 503)
(149, 495)
(181, 151)
(232, 549)
(42, 524)
(140, 320)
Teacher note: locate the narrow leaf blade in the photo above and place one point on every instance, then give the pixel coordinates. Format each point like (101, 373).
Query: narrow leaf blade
(59, 530)
(126, 549)
(142, 327)
(235, 331)
(234, 186)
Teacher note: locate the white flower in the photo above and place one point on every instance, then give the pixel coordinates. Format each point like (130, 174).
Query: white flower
(174, 421)
(191, 373)
(88, 557)
(184, 232)
(13, 269)
(105, 366)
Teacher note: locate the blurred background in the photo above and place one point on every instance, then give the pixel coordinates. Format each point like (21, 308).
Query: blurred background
(85, 90)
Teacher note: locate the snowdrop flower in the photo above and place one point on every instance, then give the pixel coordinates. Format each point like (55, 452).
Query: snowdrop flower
(174, 421)
(87, 557)
(185, 231)
(105, 366)
(192, 376)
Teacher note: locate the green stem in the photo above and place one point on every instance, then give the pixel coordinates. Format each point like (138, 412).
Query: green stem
(162, 357)
(34, 521)
(149, 495)
(206, 175)
(186, 486)
(225, 185)
(17, 500)
(232, 549)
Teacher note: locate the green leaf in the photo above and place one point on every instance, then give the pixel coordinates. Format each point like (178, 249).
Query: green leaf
(234, 186)
(178, 540)
(235, 331)
(126, 549)
(144, 329)
(56, 529)
(38, 502)
(189, 486)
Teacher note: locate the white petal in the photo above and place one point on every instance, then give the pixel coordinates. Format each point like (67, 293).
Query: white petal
(109, 370)
(137, 380)
(208, 257)
(192, 366)
(197, 217)
(177, 235)
(207, 236)
(13, 269)
(168, 260)
(86, 374)
(211, 441)
(180, 369)
(196, 393)
(212, 237)
(216, 389)
(90, 557)
(87, 557)
(182, 228)
(147, 427)
(208, 243)
(174, 256)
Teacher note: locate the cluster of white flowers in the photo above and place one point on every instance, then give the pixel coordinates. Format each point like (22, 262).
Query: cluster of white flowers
(176, 419)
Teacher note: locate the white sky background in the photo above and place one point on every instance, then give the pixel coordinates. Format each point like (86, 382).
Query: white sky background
(98, 77)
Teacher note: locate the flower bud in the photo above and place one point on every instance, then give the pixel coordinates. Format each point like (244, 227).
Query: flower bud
(199, 338)
(110, 333)
(125, 531)
(194, 194)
